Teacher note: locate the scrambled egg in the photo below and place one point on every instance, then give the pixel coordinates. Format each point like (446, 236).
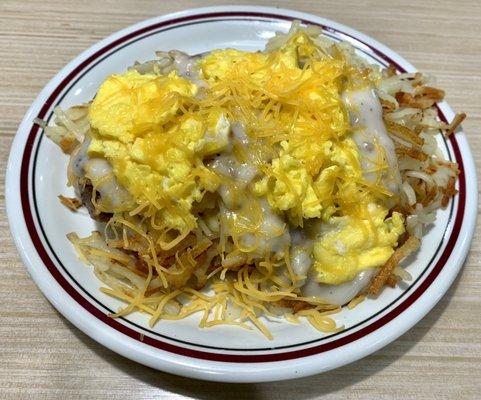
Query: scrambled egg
(156, 154)
(290, 187)
(157, 130)
(350, 245)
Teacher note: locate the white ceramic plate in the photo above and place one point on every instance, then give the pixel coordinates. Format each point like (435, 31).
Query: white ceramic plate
(37, 174)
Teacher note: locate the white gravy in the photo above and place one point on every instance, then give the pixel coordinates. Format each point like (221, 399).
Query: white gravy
(112, 194)
(365, 113)
(338, 294)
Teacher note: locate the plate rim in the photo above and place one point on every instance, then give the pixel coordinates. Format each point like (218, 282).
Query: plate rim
(214, 370)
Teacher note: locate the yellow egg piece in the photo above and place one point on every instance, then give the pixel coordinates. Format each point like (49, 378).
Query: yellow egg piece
(351, 245)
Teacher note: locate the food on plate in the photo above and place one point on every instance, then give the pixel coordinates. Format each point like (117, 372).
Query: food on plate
(242, 185)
